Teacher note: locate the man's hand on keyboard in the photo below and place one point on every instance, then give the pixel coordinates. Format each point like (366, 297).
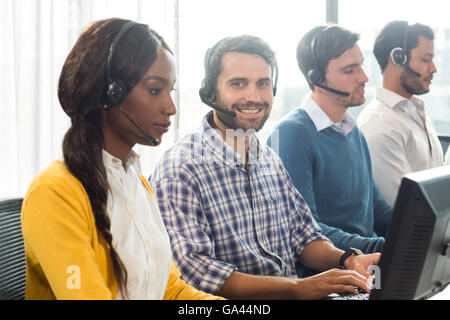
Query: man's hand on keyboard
(362, 263)
(332, 281)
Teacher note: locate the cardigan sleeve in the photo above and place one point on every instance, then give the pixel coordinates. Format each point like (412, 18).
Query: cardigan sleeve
(60, 246)
(178, 289)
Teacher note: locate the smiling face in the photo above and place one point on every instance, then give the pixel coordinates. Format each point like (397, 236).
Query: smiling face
(245, 87)
(345, 73)
(421, 61)
(149, 104)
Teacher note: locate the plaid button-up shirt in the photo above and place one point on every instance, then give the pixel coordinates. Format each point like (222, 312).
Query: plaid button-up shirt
(222, 217)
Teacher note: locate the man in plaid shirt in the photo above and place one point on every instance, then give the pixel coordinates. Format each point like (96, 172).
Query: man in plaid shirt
(237, 224)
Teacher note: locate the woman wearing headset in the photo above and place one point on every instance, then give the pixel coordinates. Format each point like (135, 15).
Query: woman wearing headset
(91, 226)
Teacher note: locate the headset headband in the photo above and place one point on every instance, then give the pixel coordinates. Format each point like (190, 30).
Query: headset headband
(112, 48)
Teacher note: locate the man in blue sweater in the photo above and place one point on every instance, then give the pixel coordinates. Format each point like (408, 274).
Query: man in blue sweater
(323, 150)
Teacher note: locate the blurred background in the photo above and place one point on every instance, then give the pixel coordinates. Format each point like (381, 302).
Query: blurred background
(37, 35)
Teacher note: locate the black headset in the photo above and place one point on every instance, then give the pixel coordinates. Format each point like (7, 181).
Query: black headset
(116, 90)
(315, 75)
(399, 55)
(207, 90)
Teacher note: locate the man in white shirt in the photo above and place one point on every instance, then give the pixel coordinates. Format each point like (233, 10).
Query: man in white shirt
(401, 138)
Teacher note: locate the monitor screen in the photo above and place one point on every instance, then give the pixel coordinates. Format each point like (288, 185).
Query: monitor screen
(415, 263)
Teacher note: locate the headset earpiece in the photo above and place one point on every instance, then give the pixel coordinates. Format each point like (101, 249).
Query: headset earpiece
(399, 54)
(399, 57)
(315, 77)
(275, 78)
(314, 74)
(116, 90)
(206, 92)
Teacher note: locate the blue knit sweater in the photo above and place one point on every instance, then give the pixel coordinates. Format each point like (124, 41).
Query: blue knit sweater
(333, 173)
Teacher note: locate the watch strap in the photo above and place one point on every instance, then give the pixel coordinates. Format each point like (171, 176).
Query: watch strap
(349, 252)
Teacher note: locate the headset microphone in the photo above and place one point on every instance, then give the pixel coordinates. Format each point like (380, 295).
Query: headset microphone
(223, 110)
(153, 141)
(342, 93)
(315, 82)
(408, 68)
(207, 96)
(315, 76)
(116, 90)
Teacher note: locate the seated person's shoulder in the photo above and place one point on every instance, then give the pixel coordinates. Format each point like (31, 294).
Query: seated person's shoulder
(55, 193)
(296, 128)
(378, 119)
(297, 118)
(55, 176)
(179, 157)
(376, 127)
(294, 125)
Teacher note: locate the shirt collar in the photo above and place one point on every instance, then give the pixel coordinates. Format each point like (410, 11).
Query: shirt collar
(322, 121)
(212, 138)
(132, 159)
(392, 99)
(412, 107)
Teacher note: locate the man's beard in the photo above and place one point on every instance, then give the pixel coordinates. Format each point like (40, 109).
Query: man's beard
(412, 83)
(235, 123)
(356, 101)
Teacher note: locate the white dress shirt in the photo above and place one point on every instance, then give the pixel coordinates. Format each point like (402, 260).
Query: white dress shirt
(401, 139)
(322, 121)
(139, 235)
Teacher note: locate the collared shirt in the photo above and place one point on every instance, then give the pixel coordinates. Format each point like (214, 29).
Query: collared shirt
(222, 217)
(322, 121)
(401, 139)
(137, 229)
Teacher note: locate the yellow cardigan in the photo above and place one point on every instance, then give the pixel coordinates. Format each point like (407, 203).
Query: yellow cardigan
(66, 258)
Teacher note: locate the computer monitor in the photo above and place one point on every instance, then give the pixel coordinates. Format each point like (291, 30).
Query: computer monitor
(415, 263)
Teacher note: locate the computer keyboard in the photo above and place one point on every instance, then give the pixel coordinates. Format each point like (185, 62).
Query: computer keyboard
(359, 296)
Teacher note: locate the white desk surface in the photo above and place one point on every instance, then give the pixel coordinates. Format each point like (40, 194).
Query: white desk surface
(444, 295)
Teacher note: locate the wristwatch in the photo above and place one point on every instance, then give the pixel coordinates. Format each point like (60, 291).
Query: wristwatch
(349, 252)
